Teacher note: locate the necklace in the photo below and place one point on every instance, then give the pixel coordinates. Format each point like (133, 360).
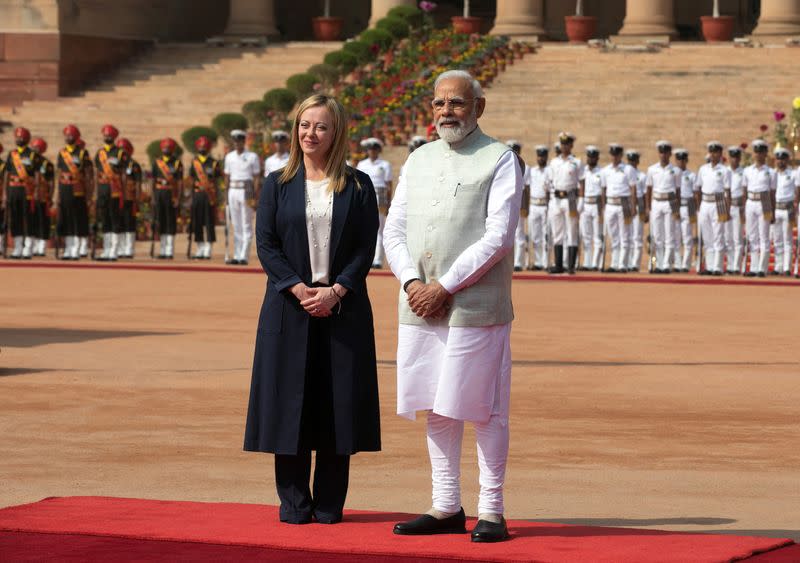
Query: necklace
(318, 214)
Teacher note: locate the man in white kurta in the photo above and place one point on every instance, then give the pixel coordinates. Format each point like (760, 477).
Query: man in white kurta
(448, 238)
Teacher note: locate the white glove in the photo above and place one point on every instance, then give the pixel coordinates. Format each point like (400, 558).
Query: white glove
(580, 205)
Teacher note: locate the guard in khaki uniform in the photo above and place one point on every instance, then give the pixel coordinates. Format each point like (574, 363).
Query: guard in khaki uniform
(520, 238)
(540, 181)
(760, 184)
(714, 181)
(133, 194)
(663, 184)
(45, 198)
(592, 216)
(109, 166)
(74, 170)
(690, 201)
(785, 212)
(619, 188)
(20, 193)
(380, 172)
(566, 204)
(640, 214)
(206, 176)
(167, 179)
(734, 229)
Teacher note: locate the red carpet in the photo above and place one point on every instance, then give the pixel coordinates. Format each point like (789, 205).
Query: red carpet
(102, 528)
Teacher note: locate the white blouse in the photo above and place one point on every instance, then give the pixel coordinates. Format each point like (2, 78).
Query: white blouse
(319, 213)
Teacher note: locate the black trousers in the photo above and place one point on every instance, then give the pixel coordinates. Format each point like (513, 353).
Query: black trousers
(317, 432)
(109, 213)
(21, 219)
(203, 214)
(128, 218)
(42, 221)
(73, 213)
(167, 217)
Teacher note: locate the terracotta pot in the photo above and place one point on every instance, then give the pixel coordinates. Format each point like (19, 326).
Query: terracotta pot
(466, 25)
(327, 29)
(717, 29)
(580, 28)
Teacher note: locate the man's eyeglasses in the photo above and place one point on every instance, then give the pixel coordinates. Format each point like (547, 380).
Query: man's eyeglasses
(456, 104)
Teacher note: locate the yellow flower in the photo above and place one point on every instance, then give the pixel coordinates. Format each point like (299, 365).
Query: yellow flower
(796, 103)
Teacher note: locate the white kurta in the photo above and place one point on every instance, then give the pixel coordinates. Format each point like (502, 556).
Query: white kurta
(458, 372)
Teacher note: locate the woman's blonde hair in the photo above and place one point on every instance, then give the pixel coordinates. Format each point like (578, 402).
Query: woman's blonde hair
(336, 166)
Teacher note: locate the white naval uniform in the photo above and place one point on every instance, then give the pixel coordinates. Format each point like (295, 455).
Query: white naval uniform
(618, 182)
(380, 172)
(712, 179)
(759, 179)
(520, 238)
(637, 226)
(540, 182)
(275, 162)
(460, 373)
(665, 181)
(684, 230)
(785, 195)
(734, 229)
(591, 222)
(567, 174)
(241, 168)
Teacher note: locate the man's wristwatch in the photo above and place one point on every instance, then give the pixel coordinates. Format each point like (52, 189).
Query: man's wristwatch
(405, 285)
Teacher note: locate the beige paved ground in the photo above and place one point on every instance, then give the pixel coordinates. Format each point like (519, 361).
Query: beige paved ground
(656, 405)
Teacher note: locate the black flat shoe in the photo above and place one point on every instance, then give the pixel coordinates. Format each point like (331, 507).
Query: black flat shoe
(426, 525)
(488, 532)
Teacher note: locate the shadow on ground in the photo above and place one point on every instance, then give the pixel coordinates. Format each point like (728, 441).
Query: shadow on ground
(7, 372)
(30, 337)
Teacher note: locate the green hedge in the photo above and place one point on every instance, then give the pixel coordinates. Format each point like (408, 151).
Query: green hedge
(191, 135)
(396, 26)
(413, 16)
(375, 36)
(359, 50)
(342, 60)
(224, 123)
(280, 99)
(256, 113)
(153, 150)
(326, 74)
(301, 84)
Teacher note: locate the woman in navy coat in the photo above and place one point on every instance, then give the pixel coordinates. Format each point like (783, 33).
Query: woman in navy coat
(314, 384)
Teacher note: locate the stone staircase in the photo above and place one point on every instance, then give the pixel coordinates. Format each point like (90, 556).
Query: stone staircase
(688, 93)
(167, 90)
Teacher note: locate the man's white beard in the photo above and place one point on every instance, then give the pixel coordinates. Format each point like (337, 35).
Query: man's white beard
(457, 133)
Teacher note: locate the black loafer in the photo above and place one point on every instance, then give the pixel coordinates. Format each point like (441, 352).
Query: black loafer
(426, 525)
(489, 532)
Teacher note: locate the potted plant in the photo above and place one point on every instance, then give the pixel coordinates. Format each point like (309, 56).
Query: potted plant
(466, 23)
(327, 27)
(716, 27)
(580, 28)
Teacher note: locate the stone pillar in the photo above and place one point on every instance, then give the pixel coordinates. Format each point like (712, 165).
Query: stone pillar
(381, 7)
(519, 17)
(779, 17)
(649, 17)
(251, 18)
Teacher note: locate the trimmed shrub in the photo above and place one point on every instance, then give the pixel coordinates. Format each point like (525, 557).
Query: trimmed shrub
(280, 99)
(301, 84)
(413, 16)
(191, 135)
(375, 36)
(224, 123)
(396, 26)
(326, 74)
(342, 60)
(256, 113)
(153, 151)
(359, 50)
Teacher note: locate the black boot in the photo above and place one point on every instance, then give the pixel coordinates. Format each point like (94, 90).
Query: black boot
(559, 255)
(572, 258)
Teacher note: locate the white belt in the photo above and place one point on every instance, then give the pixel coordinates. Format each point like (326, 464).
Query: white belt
(240, 183)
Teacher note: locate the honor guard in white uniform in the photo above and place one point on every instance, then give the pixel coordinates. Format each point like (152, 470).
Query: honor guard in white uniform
(714, 180)
(242, 169)
(639, 215)
(785, 212)
(591, 217)
(416, 142)
(280, 155)
(520, 237)
(619, 185)
(734, 228)
(760, 184)
(690, 201)
(663, 184)
(380, 172)
(540, 182)
(566, 204)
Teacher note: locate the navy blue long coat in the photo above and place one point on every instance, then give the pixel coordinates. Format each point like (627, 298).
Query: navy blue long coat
(279, 365)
